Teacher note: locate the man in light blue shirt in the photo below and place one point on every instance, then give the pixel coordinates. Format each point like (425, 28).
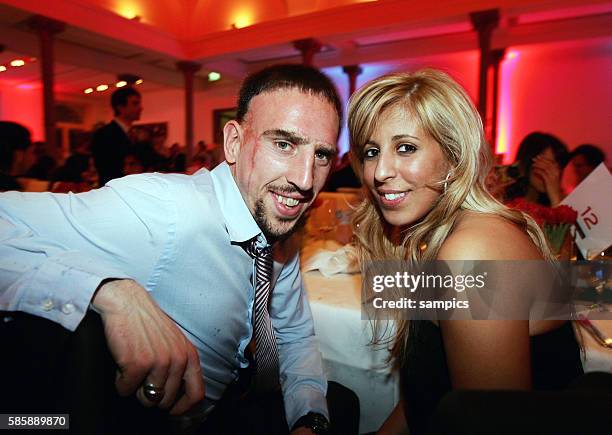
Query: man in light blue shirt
(161, 256)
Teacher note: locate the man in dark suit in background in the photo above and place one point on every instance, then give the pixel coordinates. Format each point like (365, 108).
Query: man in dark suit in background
(111, 143)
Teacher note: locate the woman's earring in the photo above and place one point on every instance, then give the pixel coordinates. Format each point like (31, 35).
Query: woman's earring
(446, 181)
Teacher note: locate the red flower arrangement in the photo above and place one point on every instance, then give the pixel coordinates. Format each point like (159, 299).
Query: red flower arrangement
(554, 221)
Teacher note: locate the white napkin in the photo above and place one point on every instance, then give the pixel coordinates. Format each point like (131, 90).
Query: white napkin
(342, 260)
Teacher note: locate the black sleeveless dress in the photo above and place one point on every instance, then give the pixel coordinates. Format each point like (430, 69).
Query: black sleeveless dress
(555, 362)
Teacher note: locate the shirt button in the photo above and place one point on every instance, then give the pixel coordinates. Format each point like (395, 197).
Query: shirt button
(47, 305)
(68, 308)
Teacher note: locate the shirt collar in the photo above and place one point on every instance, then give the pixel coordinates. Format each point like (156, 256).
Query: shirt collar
(239, 221)
(121, 124)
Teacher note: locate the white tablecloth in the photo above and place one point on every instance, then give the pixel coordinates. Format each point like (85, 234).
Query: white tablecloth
(597, 358)
(344, 339)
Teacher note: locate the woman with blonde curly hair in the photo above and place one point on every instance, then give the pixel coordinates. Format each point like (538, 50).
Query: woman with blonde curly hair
(418, 146)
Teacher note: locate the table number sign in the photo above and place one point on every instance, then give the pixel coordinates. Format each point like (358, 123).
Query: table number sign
(592, 200)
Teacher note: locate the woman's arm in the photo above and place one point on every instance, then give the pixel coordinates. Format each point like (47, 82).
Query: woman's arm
(488, 354)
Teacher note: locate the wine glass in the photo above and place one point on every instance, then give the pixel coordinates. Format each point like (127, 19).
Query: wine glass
(322, 219)
(599, 277)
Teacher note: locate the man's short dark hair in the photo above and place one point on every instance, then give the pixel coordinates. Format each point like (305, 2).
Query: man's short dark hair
(592, 154)
(290, 76)
(120, 97)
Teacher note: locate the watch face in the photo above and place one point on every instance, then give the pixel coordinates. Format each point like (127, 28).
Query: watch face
(315, 422)
(318, 423)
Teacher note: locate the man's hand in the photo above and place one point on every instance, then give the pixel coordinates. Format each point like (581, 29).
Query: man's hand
(148, 347)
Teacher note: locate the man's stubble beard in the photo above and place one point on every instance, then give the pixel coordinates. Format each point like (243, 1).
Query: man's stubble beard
(267, 228)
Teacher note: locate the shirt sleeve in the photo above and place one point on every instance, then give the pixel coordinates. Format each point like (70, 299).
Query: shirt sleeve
(55, 249)
(301, 368)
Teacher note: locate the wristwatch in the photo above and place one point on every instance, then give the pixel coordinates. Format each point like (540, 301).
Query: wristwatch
(315, 422)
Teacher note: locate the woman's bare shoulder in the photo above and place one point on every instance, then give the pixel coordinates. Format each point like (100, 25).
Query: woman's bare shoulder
(480, 236)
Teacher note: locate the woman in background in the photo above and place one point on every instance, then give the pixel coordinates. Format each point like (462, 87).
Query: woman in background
(541, 158)
(418, 146)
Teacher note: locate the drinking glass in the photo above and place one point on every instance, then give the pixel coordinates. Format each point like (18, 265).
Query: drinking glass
(600, 278)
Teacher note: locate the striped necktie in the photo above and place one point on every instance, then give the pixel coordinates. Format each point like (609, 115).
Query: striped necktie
(266, 349)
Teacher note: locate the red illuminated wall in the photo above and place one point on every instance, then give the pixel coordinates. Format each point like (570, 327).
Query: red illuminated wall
(463, 67)
(23, 105)
(563, 89)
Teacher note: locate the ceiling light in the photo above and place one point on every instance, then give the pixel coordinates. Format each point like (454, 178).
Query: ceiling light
(512, 54)
(129, 11)
(17, 62)
(139, 81)
(88, 90)
(213, 76)
(242, 19)
(2, 68)
(101, 88)
(121, 83)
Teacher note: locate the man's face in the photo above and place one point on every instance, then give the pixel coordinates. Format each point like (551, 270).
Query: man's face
(132, 109)
(581, 167)
(281, 155)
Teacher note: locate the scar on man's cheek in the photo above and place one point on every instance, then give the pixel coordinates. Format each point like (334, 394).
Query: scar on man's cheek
(251, 160)
(254, 150)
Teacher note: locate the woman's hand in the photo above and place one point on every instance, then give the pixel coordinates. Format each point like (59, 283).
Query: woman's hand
(548, 170)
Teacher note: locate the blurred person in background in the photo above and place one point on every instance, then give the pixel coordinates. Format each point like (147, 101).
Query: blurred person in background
(111, 142)
(161, 159)
(75, 175)
(585, 158)
(541, 158)
(13, 137)
(135, 163)
(44, 164)
(178, 159)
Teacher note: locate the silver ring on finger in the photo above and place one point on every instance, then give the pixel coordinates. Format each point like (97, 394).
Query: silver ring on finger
(153, 393)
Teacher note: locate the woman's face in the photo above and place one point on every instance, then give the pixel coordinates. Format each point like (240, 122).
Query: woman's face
(401, 165)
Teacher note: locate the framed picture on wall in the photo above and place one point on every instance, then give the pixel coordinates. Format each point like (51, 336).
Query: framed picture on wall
(220, 118)
(147, 132)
